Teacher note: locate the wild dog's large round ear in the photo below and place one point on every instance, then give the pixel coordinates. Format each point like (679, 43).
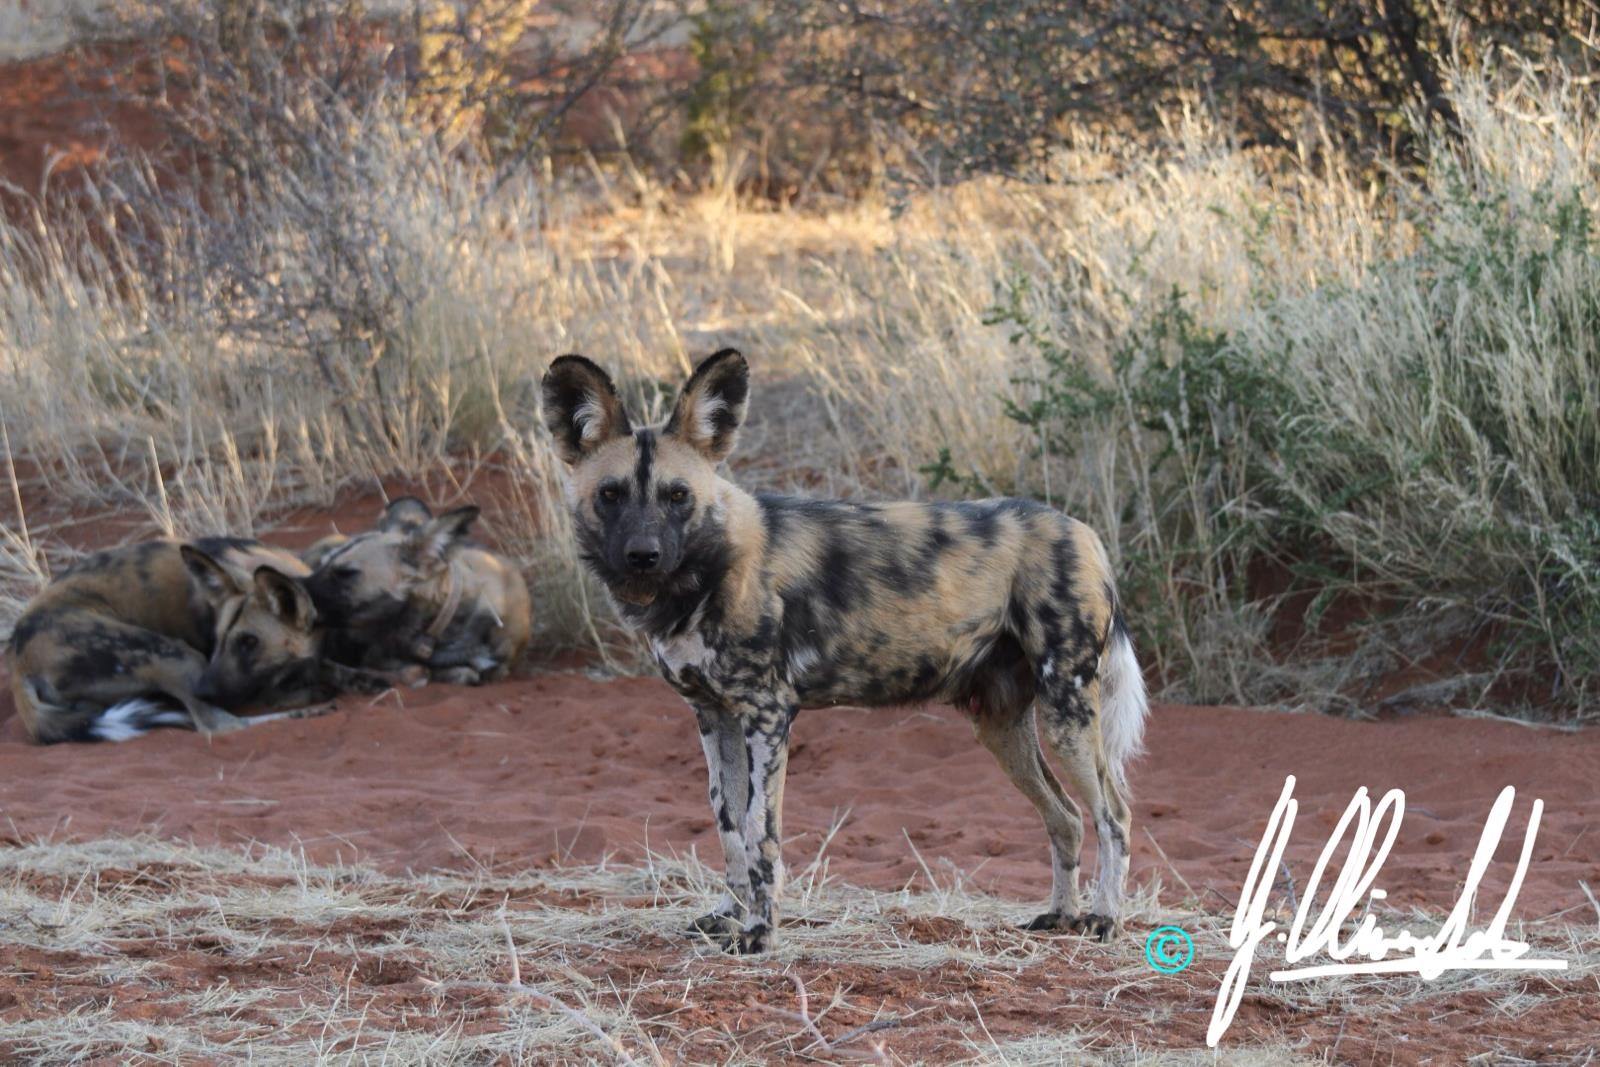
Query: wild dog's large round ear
(712, 405)
(404, 512)
(442, 534)
(285, 597)
(212, 577)
(581, 407)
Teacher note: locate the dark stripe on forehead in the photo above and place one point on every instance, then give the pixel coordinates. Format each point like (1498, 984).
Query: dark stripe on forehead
(646, 440)
(226, 617)
(345, 548)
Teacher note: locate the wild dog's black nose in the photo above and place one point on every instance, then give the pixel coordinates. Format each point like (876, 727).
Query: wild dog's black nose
(643, 554)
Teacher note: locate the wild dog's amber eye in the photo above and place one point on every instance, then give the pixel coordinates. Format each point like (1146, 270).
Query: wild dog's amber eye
(679, 496)
(610, 494)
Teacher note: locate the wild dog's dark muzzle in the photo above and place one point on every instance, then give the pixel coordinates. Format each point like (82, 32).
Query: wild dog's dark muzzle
(221, 689)
(643, 553)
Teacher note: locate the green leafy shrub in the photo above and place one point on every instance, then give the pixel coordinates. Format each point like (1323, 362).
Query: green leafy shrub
(1427, 439)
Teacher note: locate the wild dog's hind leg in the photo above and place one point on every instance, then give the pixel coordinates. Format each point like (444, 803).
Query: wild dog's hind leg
(728, 768)
(1014, 740)
(1070, 708)
(114, 661)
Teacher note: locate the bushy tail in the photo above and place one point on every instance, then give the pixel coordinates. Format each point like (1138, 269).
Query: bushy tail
(1123, 704)
(48, 723)
(131, 718)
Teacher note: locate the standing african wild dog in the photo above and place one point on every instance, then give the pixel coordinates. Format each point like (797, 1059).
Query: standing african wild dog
(413, 591)
(217, 623)
(759, 605)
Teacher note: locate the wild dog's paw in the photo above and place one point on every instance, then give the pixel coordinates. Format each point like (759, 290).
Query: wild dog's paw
(1050, 920)
(715, 923)
(1100, 927)
(753, 939)
(337, 678)
(721, 930)
(414, 676)
(314, 711)
(366, 683)
(458, 676)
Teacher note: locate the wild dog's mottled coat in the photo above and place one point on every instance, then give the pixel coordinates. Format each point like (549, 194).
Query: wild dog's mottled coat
(758, 605)
(217, 623)
(413, 592)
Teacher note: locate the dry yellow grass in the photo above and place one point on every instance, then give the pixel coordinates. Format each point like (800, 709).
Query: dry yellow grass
(392, 310)
(162, 953)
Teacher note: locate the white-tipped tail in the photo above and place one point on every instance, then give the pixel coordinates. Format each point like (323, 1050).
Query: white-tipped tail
(1123, 705)
(131, 718)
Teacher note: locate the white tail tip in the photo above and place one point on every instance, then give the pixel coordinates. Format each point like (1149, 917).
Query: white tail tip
(132, 718)
(1123, 706)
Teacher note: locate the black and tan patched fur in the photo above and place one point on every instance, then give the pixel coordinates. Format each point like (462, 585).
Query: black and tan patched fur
(758, 605)
(164, 633)
(415, 593)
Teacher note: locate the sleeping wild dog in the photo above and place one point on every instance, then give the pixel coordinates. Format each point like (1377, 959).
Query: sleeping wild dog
(106, 649)
(413, 592)
(759, 605)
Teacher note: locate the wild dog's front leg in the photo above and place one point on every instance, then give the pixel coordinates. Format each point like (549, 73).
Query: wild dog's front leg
(728, 767)
(766, 730)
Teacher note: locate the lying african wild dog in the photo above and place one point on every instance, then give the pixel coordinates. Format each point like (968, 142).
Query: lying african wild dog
(413, 592)
(759, 605)
(217, 623)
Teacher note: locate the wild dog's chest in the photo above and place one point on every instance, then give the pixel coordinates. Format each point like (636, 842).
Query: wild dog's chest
(703, 672)
(675, 654)
(689, 665)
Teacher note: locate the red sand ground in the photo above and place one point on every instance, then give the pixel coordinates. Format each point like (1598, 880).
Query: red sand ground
(559, 767)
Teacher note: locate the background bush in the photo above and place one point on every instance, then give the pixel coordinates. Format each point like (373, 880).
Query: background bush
(1309, 326)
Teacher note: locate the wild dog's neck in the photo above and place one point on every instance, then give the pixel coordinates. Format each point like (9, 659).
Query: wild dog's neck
(746, 535)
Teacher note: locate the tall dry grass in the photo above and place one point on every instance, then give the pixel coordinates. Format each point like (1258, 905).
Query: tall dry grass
(1393, 383)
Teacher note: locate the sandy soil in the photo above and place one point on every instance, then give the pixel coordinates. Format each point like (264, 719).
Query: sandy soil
(561, 768)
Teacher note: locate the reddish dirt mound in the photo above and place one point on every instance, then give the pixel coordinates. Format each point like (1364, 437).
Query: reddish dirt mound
(562, 768)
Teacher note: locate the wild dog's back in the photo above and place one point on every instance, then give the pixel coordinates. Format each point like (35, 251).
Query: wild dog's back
(145, 585)
(888, 603)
